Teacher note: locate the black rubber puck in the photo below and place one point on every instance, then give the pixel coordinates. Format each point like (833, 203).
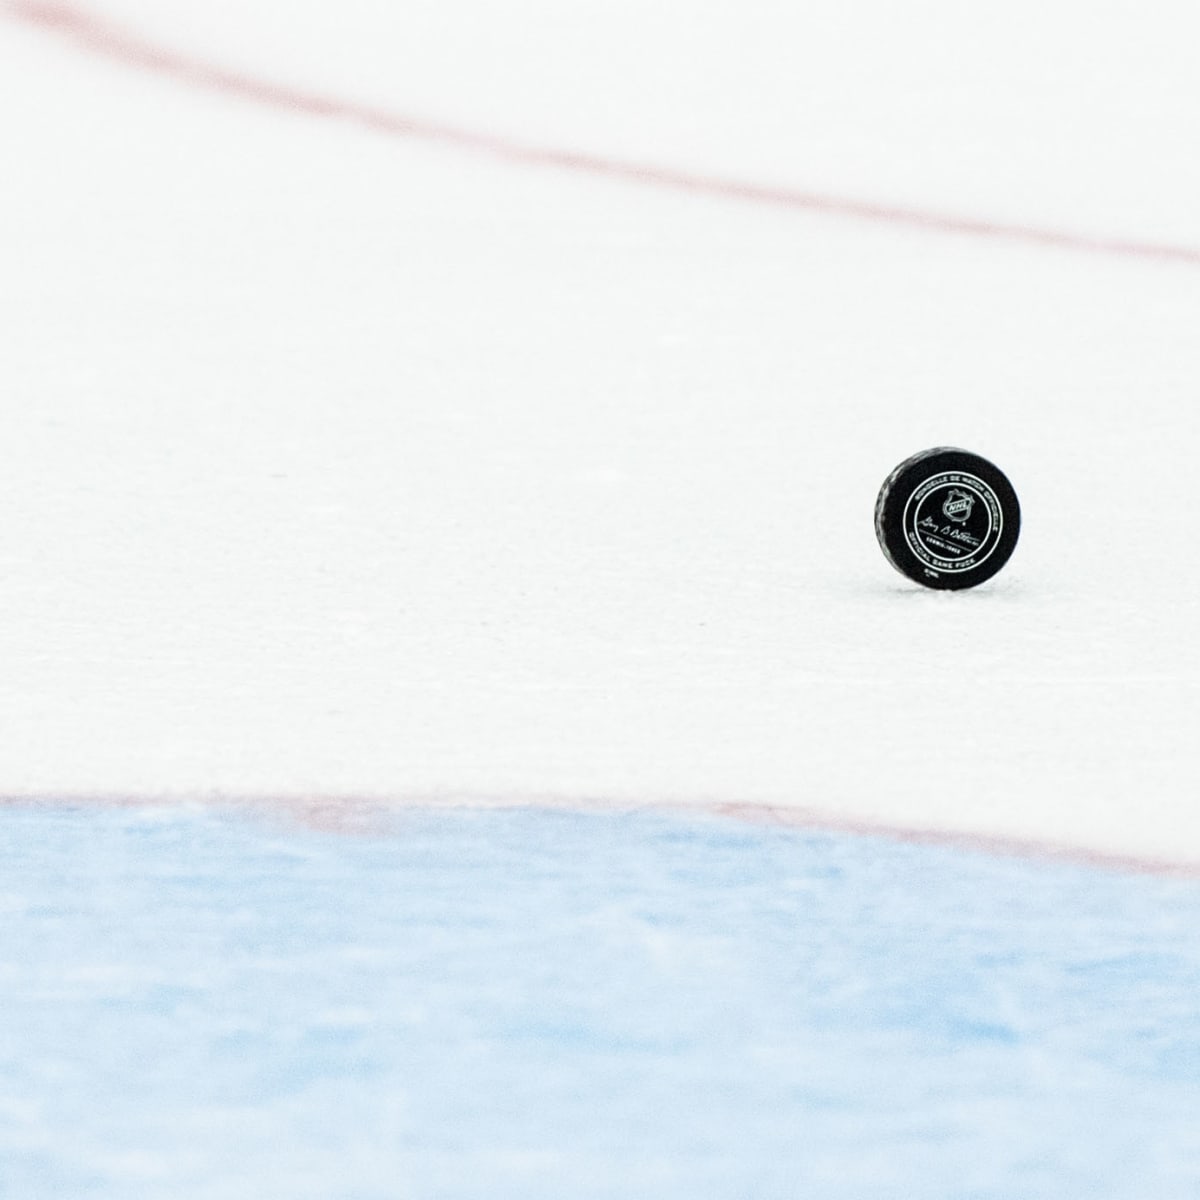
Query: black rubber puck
(947, 518)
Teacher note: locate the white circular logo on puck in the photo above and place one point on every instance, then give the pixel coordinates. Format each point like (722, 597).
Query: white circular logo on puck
(953, 521)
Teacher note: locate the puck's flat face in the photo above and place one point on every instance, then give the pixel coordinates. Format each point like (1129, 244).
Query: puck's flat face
(947, 518)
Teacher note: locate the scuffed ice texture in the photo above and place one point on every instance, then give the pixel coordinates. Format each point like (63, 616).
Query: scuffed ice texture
(525, 1004)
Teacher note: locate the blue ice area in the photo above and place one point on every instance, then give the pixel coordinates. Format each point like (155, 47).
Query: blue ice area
(524, 1003)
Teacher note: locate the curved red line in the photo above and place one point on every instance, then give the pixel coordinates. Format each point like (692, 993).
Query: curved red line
(99, 38)
(366, 815)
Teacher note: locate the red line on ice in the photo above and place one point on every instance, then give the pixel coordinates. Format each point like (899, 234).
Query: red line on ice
(366, 815)
(100, 38)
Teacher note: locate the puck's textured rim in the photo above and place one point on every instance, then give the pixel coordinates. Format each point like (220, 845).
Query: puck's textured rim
(947, 518)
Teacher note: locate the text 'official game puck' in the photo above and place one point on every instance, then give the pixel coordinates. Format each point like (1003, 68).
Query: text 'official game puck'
(947, 518)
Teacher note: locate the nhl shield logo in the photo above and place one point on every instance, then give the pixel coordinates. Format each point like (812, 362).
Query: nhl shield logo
(958, 506)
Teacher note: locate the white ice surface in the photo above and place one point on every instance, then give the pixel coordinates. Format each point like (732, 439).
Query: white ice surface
(335, 463)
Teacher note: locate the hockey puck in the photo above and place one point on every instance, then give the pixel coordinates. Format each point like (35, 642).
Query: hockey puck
(947, 518)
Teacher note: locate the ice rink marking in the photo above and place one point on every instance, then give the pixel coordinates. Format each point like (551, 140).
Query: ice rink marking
(365, 816)
(119, 45)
